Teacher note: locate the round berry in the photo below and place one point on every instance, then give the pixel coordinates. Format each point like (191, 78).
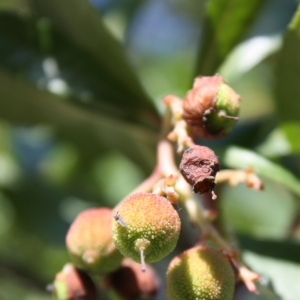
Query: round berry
(200, 273)
(73, 284)
(151, 228)
(131, 283)
(89, 242)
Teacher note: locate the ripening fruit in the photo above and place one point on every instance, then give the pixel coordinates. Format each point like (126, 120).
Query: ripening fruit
(89, 242)
(73, 284)
(211, 107)
(149, 229)
(131, 283)
(200, 273)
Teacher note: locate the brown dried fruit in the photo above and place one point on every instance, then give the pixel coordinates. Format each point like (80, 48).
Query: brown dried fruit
(211, 107)
(131, 283)
(199, 166)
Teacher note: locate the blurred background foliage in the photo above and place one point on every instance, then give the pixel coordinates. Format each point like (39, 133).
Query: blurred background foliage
(81, 84)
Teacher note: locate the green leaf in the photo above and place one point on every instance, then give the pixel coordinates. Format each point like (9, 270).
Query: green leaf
(249, 54)
(14, 288)
(13, 4)
(80, 23)
(247, 211)
(280, 249)
(44, 55)
(283, 140)
(265, 292)
(119, 171)
(287, 88)
(92, 133)
(240, 158)
(284, 275)
(226, 22)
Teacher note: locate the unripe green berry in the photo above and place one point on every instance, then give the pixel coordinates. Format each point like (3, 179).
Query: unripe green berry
(223, 118)
(89, 242)
(200, 273)
(151, 228)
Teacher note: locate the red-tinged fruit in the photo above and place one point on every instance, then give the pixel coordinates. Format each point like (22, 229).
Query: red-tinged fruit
(73, 284)
(211, 107)
(151, 228)
(200, 273)
(131, 283)
(89, 242)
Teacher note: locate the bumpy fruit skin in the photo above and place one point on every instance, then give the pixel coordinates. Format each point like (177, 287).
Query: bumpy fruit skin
(151, 221)
(73, 284)
(200, 273)
(210, 107)
(89, 242)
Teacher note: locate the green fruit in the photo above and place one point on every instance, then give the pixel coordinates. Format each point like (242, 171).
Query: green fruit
(89, 242)
(223, 117)
(151, 228)
(211, 107)
(200, 273)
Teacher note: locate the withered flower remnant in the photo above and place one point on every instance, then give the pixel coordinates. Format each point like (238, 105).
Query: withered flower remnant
(199, 166)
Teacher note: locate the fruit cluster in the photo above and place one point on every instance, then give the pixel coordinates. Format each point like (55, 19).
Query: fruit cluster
(118, 243)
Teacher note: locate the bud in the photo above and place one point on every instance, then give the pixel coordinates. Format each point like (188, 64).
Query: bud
(131, 283)
(199, 166)
(200, 273)
(89, 242)
(73, 284)
(211, 108)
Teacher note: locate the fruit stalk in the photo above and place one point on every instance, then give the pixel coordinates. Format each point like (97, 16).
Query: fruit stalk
(166, 166)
